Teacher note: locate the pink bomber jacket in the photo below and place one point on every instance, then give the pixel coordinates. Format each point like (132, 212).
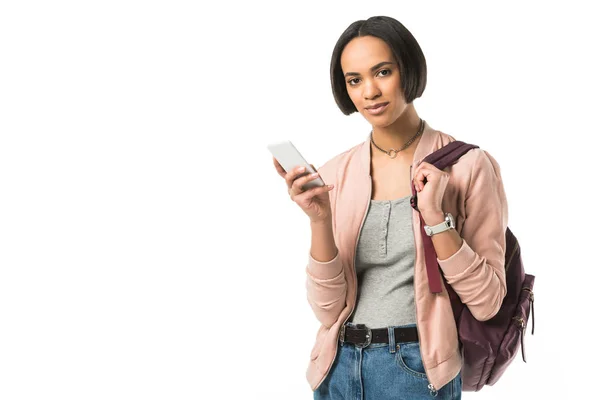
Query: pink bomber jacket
(474, 195)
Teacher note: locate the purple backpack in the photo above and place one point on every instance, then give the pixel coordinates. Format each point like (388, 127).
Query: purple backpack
(488, 347)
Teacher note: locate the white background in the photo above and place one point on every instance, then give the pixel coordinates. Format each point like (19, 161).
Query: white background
(148, 248)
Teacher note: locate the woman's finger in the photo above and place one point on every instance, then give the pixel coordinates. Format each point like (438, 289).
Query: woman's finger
(422, 172)
(298, 183)
(292, 175)
(310, 193)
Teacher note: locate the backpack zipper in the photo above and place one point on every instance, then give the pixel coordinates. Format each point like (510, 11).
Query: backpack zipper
(512, 256)
(531, 306)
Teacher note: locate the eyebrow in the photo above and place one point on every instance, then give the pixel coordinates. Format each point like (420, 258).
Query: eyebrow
(373, 68)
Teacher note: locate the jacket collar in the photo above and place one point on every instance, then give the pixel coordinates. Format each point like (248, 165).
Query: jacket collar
(424, 148)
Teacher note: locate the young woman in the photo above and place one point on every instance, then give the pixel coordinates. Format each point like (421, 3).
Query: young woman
(384, 334)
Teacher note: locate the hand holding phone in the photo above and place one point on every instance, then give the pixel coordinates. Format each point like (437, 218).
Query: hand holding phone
(289, 158)
(309, 192)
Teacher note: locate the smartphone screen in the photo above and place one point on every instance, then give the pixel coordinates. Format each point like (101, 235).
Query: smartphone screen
(289, 157)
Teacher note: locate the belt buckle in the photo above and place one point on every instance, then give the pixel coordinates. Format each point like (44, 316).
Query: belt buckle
(369, 336)
(342, 334)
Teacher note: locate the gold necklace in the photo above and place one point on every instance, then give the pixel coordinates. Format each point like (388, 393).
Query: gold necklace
(394, 151)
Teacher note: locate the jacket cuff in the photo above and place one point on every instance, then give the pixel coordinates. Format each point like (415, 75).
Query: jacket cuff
(324, 270)
(458, 262)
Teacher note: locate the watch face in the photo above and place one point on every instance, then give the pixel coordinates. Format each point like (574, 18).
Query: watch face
(451, 218)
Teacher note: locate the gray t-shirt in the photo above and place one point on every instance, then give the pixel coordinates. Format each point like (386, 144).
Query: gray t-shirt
(385, 261)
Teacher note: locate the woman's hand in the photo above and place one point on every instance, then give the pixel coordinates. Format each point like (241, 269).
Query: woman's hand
(314, 202)
(430, 194)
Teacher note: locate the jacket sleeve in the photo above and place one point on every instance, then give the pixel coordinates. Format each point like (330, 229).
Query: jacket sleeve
(476, 271)
(325, 281)
(326, 289)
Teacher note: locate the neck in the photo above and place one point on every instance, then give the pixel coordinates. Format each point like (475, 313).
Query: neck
(396, 135)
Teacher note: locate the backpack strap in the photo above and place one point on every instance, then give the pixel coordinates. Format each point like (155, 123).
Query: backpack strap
(449, 154)
(441, 158)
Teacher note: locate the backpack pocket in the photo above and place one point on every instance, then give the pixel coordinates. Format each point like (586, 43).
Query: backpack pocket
(515, 334)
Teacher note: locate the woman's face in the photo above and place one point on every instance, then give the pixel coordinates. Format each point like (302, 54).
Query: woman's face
(372, 79)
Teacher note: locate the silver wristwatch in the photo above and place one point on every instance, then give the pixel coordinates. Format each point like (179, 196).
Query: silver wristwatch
(448, 223)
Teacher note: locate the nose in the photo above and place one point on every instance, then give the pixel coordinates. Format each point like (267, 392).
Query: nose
(370, 90)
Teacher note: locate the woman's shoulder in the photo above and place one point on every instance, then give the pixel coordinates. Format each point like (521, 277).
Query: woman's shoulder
(477, 162)
(474, 158)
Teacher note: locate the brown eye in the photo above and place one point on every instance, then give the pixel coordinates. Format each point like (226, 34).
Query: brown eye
(387, 72)
(350, 82)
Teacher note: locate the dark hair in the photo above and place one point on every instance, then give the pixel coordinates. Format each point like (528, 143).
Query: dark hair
(408, 53)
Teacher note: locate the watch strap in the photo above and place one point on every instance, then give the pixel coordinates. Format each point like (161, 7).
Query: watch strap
(439, 228)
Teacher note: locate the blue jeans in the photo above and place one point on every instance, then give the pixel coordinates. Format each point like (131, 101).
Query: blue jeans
(382, 371)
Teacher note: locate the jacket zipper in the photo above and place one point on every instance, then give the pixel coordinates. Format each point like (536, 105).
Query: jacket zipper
(355, 275)
(432, 389)
(356, 248)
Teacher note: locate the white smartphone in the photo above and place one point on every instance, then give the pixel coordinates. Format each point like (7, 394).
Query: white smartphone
(289, 157)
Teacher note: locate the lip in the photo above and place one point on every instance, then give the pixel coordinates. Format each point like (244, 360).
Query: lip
(377, 109)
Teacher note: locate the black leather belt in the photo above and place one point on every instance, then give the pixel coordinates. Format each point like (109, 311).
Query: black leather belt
(361, 336)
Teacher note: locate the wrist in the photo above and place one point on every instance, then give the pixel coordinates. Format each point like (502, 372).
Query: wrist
(433, 217)
(322, 222)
